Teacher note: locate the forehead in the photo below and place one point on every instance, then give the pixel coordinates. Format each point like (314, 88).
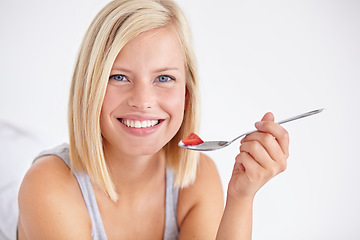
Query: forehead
(159, 46)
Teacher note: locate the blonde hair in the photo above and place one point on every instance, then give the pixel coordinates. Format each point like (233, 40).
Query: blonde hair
(116, 24)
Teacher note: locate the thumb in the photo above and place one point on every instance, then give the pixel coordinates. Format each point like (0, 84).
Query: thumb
(268, 117)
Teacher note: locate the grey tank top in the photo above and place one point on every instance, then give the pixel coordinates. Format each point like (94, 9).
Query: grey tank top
(171, 231)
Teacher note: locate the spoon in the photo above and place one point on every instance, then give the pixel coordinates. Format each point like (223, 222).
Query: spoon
(215, 145)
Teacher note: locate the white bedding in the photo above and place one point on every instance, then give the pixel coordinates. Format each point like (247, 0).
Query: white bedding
(17, 150)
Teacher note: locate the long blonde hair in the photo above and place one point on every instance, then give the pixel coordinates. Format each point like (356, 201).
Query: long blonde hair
(116, 24)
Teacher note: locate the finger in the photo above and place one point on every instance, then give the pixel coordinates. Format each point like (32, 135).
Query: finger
(249, 165)
(280, 134)
(238, 167)
(258, 152)
(268, 117)
(268, 141)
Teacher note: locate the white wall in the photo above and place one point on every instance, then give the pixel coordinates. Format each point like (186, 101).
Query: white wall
(284, 56)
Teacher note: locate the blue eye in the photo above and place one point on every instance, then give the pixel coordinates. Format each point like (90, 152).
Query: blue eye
(118, 77)
(164, 78)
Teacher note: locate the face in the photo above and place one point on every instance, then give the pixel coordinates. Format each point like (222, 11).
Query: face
(145, 98)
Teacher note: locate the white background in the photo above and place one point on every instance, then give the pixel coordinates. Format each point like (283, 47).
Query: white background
(285, 56)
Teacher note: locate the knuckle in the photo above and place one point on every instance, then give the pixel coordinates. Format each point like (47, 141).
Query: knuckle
(240, 157)
(254, 146)
(282, 166)
(250, 147)
(285, 134)
(244, 158)
(268, 138)
(273, 172)
(242, 146)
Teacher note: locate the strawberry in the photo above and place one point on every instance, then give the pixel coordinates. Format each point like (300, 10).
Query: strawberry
(192, 139)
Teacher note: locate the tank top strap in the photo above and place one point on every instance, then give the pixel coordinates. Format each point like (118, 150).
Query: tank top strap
(171, 231)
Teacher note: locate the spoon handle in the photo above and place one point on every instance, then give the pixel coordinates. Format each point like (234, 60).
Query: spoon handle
(301, 116)
(284, 121)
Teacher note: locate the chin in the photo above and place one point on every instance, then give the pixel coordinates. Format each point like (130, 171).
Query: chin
(150, 149)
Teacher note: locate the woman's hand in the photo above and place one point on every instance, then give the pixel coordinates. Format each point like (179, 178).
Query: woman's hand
(263, 154)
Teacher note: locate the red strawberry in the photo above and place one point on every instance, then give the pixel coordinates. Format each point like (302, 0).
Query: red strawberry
(192, 139)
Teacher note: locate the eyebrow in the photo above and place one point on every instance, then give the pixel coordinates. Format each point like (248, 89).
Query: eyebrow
(164, 69)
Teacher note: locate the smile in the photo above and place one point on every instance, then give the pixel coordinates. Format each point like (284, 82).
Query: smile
(139, 123)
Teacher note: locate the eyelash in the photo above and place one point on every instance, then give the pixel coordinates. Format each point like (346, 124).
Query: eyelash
(169, 78)
(124, 78)
(118, 75)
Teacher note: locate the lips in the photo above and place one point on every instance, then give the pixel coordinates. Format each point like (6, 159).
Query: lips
(140, 123)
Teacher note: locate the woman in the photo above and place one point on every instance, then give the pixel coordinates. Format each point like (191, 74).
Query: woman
(122, 176)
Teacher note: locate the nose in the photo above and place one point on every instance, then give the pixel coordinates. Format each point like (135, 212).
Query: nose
(142, 96)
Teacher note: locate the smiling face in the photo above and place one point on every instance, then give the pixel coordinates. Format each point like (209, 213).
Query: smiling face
(144, 102)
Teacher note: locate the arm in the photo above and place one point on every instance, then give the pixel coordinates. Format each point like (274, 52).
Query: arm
(263, 155)
(201, 205)
(50, 203)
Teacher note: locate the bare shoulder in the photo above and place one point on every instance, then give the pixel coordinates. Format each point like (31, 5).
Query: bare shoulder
(201, 204)
(51, 204)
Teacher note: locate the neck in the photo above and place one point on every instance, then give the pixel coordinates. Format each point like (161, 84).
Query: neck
(134, 175)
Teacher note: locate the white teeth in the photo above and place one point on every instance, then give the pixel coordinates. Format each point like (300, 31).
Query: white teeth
(139, 124)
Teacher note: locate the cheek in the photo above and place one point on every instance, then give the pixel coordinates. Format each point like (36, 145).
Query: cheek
(175, 101)
(107, 103)
(111, 100)
(104, 111)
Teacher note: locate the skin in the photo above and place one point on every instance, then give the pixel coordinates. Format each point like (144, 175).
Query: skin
(262, 156)
(50, 201)
(146, 83)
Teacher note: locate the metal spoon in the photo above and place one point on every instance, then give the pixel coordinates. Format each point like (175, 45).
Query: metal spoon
(215, 145)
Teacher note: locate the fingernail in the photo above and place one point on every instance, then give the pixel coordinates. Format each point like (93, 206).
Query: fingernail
(258, 124)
